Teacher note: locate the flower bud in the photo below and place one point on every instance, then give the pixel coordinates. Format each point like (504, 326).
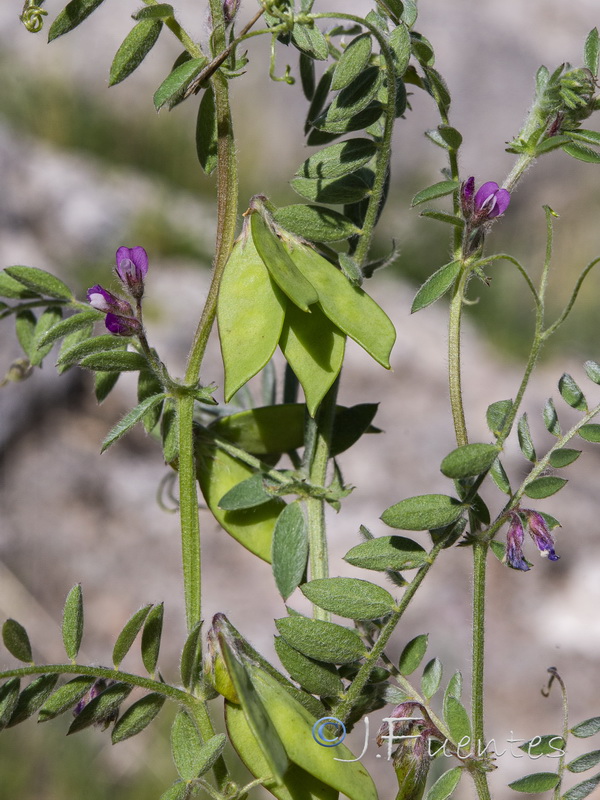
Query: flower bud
(103, 300)
(122, 326)
(230, 9)
(467, 192)
(216, 669)
(19, 370)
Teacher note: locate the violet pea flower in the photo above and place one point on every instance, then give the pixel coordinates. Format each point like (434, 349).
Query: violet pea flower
(122, 326)
(490, 201)
(132, 266)
(538, 529)
(514, 543)
(103, 300)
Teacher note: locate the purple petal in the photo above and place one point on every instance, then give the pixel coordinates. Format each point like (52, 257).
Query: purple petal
(502, 200)
(140, 258)
(541, 535)
(122, 326)
(468, 188)
(484, 193)
(467, 191)
(100, 298)
(103, 300)
(514, 544)
(136, 256)
(132, 266)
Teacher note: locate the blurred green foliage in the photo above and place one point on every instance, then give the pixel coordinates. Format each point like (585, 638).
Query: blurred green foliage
(60, 768)
(64, 114)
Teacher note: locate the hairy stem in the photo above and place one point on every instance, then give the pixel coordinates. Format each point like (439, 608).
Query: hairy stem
(227, 201)
(193, 49)
(345, 706)
(454, 359)
(317, 454)
(227, 192)
(481, 785)
(543, 463)
(177, 695)
(480, 550)
(188, 506)
(382, 161)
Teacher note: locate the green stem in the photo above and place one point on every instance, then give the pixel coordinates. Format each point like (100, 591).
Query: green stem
(177, 695)
(457, 234)
(481, 785)
(188, 505)
(193, 49)
(550, 330)
(199, 712)
(293, 484)
(227, 193)
(316, 460)
(195, 706)
(554, 675)
(454, 359)
(43, 303)
(382, 160)
(227, 201)
(521, 165)
(344, 709)
(214, 65)
(480, 550)
(542, 465)
(537, 470)
(531, 362)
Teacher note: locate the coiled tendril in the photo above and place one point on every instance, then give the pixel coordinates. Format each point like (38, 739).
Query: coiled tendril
(32, 16)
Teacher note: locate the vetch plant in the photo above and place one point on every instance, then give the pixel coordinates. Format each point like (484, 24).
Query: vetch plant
(294, 278)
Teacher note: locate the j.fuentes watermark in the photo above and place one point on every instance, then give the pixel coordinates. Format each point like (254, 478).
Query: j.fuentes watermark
(331, 731)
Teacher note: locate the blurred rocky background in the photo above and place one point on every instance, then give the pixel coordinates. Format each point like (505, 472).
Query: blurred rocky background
(84, 170)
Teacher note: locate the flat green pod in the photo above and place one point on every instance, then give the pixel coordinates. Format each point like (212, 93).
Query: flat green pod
(282, 269)
(250, 313)
(314, 349)
(294, 725)
(297, 784)
(217, 473)
(346, 305)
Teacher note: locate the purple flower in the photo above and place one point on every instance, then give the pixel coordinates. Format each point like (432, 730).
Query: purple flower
(514, 543)
(490, 201)
(132, 266)
(123, 326)
(538, 529)
(105, 301)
